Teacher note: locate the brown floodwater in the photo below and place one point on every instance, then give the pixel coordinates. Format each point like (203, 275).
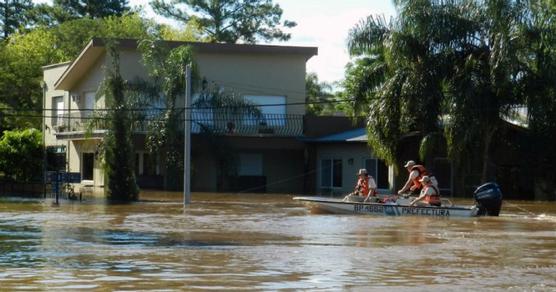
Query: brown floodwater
(268, 242)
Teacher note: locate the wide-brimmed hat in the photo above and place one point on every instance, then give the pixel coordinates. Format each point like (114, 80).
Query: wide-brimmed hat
(410, 163)
(362, 171)
(425, 179)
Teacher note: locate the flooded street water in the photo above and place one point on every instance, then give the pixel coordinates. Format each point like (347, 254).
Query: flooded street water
(268, 242)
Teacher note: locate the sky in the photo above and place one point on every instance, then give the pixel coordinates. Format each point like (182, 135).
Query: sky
(320, 23)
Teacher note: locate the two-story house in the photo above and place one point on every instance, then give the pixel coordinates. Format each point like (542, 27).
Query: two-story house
(266, 156)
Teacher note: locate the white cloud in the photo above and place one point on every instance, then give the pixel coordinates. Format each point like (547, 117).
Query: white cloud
(325, 24)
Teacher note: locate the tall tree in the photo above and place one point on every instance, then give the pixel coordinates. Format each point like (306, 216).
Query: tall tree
(539, 92)
(229, 21)
(317, 93)
(166, 67)
(13, 14)
(118, 147)
(64, 10)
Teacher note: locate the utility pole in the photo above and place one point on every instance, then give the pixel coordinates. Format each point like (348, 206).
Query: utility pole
(187, 139)
(44, 162)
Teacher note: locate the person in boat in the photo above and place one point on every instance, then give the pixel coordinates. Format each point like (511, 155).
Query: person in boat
(416, 173)
(430, 195)
(365, 189)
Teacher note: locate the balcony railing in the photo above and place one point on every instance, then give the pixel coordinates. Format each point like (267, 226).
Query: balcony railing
(203, 121)
(280, 125)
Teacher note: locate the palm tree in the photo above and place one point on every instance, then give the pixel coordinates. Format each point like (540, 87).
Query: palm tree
(449, 63)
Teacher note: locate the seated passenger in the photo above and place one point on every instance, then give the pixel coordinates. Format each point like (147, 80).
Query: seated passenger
(365, 189)
(430, 195)
(366, 185)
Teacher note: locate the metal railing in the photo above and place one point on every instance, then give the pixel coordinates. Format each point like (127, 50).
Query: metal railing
(203, 121)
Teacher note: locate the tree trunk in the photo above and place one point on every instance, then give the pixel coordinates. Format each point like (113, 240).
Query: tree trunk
(486, 153)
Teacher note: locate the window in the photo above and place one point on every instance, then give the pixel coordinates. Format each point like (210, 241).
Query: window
(250, 164)
(273, 109)
(331, 173)
(379, 170)
(57, 110)
(150, 164)
(146, 164)
(89, 106)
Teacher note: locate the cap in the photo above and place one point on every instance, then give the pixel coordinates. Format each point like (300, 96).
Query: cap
(362, 171)
(410, 163)
(425, 179)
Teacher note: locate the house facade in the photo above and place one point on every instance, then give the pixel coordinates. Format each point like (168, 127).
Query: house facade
(265, 154)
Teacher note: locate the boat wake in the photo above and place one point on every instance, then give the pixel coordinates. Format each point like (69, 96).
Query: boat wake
(545, 218)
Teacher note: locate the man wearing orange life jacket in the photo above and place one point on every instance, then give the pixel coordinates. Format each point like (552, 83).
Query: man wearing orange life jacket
(416, 172)
(430, 196)
(365, 189)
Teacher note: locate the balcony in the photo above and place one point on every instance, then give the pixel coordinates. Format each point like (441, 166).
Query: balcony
(273, 125)
(78, 123)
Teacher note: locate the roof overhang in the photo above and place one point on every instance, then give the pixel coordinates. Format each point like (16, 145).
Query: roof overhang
(84, 61)
(96, 47)
(358, 135)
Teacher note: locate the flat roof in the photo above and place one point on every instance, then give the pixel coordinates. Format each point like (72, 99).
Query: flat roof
(219, 47)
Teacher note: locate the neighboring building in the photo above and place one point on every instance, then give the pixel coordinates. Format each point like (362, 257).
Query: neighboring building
(269, 156)
(338, 157)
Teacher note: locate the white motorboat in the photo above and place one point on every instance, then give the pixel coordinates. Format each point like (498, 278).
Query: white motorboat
(488, 199)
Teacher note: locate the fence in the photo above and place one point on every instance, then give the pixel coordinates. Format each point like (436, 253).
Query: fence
(32, 189)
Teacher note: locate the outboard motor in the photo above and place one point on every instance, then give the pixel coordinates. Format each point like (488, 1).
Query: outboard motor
(489, 199)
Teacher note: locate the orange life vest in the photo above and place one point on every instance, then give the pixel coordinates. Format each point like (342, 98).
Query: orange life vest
(422, 172)
(363, 186)
(433, 200)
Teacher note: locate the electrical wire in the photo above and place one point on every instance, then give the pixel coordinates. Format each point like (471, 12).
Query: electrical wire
(185, 108)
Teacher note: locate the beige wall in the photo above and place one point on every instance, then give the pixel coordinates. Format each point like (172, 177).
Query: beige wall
(50, 76)
(245, 74)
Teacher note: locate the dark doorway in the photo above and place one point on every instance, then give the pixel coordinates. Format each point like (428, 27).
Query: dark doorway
(87, 166)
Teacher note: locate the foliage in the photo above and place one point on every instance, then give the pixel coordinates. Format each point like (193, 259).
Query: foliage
(65, 10)
(165, 133)
(229, 21)
(23, 55)
(166, 68)
(12, 14)
(459, 64)
(21, 154)
(538, 88)
(118, 146)
(317, 94)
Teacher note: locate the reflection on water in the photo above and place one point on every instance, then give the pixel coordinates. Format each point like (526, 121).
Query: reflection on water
(267, 242)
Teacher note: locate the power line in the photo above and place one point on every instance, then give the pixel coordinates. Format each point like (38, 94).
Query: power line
(247, 106)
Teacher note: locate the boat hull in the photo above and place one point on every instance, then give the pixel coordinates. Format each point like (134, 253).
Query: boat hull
(337, 206)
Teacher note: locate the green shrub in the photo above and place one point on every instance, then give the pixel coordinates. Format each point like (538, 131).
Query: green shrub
(21, 154)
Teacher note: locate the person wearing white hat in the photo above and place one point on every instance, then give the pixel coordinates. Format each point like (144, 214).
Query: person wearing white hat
(430, 195)
(416, 172)
(366, 185)
(365, 189)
